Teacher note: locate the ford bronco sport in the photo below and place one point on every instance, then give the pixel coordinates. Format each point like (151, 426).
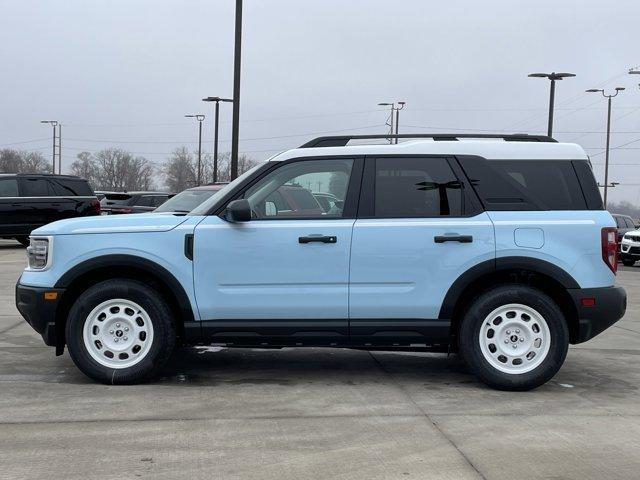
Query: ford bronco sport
(497, 248)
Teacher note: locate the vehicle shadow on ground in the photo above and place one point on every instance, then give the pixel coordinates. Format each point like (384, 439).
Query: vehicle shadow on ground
(291, 366)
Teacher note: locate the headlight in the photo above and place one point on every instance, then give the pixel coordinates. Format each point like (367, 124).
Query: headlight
(39, 252)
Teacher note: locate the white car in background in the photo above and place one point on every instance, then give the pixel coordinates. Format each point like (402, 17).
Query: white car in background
(630, 248)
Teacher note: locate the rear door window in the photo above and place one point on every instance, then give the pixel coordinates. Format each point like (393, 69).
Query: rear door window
(525, 184)
(70, 187)
(8, 187)
(415, 187)
(36, 187)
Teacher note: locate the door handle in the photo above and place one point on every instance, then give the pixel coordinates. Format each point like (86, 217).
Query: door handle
(318, 238)
(453, 238)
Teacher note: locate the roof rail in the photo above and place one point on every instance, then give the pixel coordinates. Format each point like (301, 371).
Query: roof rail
(343, 140)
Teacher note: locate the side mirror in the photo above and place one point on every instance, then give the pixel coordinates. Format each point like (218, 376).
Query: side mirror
(239, 211)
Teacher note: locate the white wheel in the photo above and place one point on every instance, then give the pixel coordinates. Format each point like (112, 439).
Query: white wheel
(514, 338)
(118, 333)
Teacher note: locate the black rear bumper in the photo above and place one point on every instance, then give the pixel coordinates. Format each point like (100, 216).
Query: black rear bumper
(39, 312)
(609, 305)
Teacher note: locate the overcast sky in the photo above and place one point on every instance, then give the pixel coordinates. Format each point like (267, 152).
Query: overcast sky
(124, 73)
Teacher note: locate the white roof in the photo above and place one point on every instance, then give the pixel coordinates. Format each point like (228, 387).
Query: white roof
(489, 149)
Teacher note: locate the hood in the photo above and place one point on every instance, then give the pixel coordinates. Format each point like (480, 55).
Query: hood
(138, 222)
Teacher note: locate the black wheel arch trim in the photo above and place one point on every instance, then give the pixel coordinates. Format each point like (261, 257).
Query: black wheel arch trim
(129, 261)
(497, 265)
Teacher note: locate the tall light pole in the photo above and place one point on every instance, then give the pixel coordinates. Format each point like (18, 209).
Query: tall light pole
(200, 119)
(393, 106)
(235, 127)
(553, 76)
(215, 132)
(606, 158)
(402, 104)
(54, 124)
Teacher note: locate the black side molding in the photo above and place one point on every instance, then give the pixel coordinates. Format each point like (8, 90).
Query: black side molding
(188, 246)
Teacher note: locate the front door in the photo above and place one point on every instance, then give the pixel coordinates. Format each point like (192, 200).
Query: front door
(418, 231)
(282, 277)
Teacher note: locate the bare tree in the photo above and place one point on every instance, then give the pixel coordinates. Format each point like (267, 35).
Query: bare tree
(21, 161)
(120, 170)
(180, 170)
(224, 166)
(86, 167)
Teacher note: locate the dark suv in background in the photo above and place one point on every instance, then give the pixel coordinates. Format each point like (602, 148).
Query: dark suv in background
(29, 201)
(131, 202)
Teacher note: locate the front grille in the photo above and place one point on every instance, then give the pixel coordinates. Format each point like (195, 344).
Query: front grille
(633, 238)
(634, 250)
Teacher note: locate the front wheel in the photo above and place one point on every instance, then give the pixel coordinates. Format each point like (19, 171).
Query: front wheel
(514, 337)
(627, 262)
(120, 332)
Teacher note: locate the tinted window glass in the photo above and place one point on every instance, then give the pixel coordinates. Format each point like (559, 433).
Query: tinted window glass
(36, 187)
(629, 223)
(68, 186)
(287, 192)
(8, 187)
(525, 184)
(145, 201)
(116, 199)
(416, 187)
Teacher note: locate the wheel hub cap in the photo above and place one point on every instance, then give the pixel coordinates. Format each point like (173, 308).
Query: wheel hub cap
(514, 338)
(118, 333)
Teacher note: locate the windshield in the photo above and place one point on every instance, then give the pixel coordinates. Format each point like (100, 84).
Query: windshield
(185, 201)
(205, 206)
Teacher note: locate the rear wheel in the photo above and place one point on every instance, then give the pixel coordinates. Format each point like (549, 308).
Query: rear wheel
(120, 331)
(514, 337)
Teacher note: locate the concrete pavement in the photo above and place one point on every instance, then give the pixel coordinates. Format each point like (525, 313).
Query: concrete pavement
(316, 413)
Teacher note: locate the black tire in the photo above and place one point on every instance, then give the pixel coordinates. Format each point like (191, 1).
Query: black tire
(159, 313)
(473, 321)
(628, 263)
(24, 240)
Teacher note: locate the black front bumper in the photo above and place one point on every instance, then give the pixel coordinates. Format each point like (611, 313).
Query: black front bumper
(609, 306)
(38, 312)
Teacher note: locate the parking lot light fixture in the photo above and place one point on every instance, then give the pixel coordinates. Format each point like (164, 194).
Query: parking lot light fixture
(215, 131)
(553, 77)
(606, 158)
(200, 119)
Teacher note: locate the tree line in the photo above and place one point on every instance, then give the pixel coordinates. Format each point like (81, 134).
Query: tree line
(117, 169)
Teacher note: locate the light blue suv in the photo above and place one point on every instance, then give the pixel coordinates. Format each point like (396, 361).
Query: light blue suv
(497, 248)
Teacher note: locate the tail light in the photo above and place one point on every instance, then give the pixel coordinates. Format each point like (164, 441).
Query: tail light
(95, 204)
(610, 247)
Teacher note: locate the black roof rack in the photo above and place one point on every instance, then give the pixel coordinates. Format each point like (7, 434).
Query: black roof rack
(343, 140)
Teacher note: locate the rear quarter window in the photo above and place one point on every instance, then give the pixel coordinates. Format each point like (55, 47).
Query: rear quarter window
(71, 187)
(525, 184)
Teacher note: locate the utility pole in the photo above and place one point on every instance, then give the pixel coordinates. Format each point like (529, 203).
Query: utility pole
(200, 119)
(54, 124)
(215, 132)
(553, 76)
(606, 158)
(402, 104)
(236, 91)
(60, 149)
(392, 105)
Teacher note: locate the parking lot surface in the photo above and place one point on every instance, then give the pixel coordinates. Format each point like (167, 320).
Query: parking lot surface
(316, 413)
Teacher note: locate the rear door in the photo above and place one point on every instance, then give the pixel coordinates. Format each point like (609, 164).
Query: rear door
(419, 228)
(39, 206)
